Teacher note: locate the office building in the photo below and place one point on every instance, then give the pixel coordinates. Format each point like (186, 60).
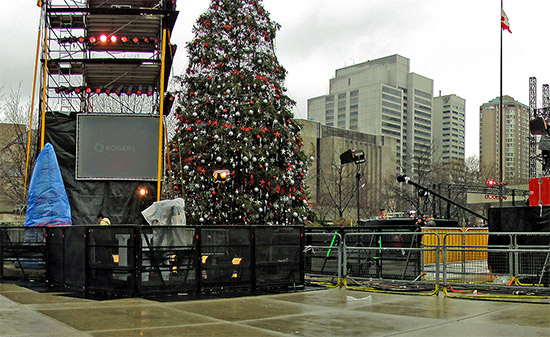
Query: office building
(382, 98)
(332, 189)
(448, 117)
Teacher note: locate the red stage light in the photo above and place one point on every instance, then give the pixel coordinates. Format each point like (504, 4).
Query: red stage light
(103, 38)
(139, 92)
(135, 39)
(143, 192)
(98, 90)
(146, 40)
(107, 91)
(124, 39)
(149, 91)
(128, 92)
(77, 90)
(57, 90)
(92, 39)
(114, 38)
(81, 39)
(88, 90)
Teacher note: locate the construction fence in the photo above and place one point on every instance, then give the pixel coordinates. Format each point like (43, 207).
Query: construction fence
(456, 261)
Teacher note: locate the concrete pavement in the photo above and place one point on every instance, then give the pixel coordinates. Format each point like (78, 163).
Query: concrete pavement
(326, 312)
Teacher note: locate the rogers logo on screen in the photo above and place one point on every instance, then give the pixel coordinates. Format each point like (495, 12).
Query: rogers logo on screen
(114, 148)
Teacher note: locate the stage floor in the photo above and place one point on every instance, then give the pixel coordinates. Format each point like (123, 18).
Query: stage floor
(326, 312)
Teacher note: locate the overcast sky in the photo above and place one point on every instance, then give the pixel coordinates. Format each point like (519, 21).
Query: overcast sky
(455, 43)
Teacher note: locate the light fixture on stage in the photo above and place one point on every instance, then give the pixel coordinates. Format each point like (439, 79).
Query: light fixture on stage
(113, 38)
(124, 39)
(88, 90)
(149, 90)
(78, 90)
(143, 192)
(92, 39)
(355, 156)
(103, 38)
(40, 3)
(135, 39)
(107, 90)
(221, 175)
(118, 90)
(98, 90)
(139, 91)
(81, 39)
(129, 91)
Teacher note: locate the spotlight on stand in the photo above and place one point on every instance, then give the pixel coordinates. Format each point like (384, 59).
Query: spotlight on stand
(355, 156)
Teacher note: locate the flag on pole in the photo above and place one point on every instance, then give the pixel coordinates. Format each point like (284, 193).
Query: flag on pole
(504, 20)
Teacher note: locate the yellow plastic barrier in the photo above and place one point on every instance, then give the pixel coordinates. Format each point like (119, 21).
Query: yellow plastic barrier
(456, 242)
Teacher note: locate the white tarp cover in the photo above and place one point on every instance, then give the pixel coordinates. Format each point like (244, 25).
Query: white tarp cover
(166, 213)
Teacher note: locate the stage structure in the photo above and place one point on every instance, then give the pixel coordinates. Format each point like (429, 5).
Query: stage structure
(105, 69)
(539, 134)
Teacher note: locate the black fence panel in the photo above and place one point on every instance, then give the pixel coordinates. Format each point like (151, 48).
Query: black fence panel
(279, 256)
(23, 253)
(111, 260)
(74, 257)
(168, 261)
(56, 248)
(226, 258)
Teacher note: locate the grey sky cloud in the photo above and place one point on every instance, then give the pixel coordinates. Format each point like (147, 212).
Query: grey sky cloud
(456, 43)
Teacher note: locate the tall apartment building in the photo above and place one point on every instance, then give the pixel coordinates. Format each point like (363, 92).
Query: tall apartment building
(325, 144)
(382, 97)
(515, 138)
(448, 116)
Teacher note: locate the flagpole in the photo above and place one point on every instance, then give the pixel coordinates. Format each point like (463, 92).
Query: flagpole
(501, 168)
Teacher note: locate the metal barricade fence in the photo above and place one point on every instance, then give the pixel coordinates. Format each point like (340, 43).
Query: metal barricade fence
(390, 261)
(496, 264)
(323, 258)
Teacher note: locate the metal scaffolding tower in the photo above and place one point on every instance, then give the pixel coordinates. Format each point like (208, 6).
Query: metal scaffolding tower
(107, 58)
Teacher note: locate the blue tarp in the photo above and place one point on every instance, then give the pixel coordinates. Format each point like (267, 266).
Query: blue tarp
(47, 202)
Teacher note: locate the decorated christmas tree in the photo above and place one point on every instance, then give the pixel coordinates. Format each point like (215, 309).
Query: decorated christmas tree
(237, 155)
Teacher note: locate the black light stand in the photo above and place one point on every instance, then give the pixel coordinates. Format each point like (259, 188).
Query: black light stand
(357, 157)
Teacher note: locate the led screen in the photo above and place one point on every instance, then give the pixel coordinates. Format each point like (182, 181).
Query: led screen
(117, 147)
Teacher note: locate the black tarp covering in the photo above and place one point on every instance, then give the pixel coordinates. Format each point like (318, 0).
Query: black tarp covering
(519, 219)
(118, 200)
(526, 219)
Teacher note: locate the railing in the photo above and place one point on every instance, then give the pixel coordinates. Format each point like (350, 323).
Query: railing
(457, 261)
